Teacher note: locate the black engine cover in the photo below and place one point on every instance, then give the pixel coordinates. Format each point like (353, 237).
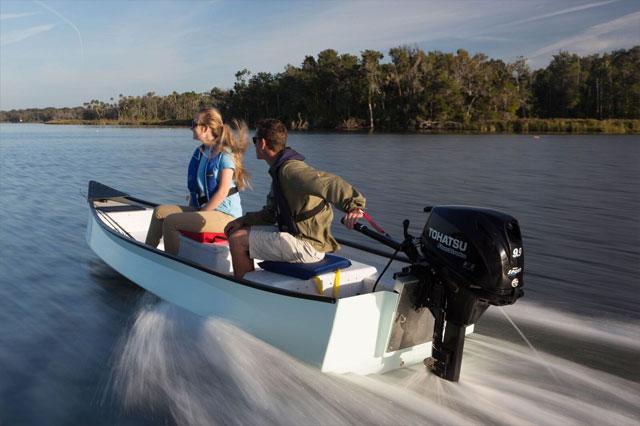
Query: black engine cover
(480, 249)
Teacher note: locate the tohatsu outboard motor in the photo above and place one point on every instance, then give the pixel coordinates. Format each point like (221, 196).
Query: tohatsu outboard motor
(471, 258)
(466, 260)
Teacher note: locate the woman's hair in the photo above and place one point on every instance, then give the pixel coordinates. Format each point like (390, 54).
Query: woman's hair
(225, 137)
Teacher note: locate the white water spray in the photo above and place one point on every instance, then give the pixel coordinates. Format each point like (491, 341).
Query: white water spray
(528, 343)
(206, 371)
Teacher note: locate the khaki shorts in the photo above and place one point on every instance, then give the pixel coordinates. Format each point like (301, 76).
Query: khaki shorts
(267, 243)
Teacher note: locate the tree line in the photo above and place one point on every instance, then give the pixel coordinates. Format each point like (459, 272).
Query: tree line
(409, 90)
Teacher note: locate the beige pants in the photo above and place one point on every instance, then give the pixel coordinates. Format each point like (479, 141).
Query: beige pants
(268, 243)
(169, 219)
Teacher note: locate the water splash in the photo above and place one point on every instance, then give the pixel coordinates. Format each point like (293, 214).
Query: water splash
(593, 327)
(528, 343)
(206, 371)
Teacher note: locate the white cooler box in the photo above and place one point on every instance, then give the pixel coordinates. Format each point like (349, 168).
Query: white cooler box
(214, 256)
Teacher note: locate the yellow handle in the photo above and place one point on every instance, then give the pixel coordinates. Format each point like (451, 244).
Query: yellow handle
(336, 284)
(318, 284)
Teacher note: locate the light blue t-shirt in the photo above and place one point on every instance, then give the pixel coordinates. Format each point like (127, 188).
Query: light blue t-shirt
(230, 205)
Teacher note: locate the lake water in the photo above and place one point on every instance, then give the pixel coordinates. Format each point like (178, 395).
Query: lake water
(80, 344)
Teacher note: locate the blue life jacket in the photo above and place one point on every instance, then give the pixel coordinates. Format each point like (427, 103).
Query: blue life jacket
(196, 198)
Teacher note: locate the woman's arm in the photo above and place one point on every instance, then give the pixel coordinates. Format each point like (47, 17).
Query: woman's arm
(226, 176)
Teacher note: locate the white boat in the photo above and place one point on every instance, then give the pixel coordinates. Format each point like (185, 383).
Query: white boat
(338, 327)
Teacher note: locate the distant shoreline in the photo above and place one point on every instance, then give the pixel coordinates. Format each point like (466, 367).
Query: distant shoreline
(413, 91)
(519, 126)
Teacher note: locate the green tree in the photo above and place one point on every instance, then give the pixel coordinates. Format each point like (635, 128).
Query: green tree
(372, 74)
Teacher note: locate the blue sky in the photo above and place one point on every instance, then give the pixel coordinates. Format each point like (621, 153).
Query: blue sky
(64, 53)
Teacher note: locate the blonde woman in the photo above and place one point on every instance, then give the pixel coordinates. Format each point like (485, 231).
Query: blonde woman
(215, 176)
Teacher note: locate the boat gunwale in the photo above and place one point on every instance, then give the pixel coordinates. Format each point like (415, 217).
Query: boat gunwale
(326, 299)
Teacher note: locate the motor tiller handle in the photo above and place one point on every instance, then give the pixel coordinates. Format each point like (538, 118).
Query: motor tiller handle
(363, 229)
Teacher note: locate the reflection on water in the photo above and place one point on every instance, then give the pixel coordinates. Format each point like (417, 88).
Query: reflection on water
(77, 346)
(206, 371)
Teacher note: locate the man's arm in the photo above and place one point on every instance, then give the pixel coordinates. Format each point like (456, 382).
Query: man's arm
(325, 185)
(266, 216)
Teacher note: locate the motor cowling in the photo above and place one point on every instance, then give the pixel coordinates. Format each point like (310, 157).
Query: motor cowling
(477, 249)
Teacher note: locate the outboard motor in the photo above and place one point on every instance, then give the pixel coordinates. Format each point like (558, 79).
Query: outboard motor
(466, 260)
(472, 259)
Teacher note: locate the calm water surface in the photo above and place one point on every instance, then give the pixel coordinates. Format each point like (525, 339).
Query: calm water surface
(80, 344)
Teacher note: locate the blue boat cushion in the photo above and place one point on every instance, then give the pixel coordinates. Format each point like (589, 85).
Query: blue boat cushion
(304, 271)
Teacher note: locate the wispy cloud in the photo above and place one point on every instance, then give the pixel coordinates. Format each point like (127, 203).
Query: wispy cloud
(135, 48)
(482, 38)
(71, 24)
(563, 12)
(19, 35)
(350, 27)
(5, 16)
(618, 32)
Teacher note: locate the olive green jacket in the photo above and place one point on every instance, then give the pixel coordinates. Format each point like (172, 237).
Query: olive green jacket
(304, 188)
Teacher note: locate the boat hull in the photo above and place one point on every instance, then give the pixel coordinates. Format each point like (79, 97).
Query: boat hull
(347, 335)
(298, 326)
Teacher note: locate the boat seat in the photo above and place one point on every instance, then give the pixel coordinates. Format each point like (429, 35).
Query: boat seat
(343, 283)
(339, 283)
(304, 271)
